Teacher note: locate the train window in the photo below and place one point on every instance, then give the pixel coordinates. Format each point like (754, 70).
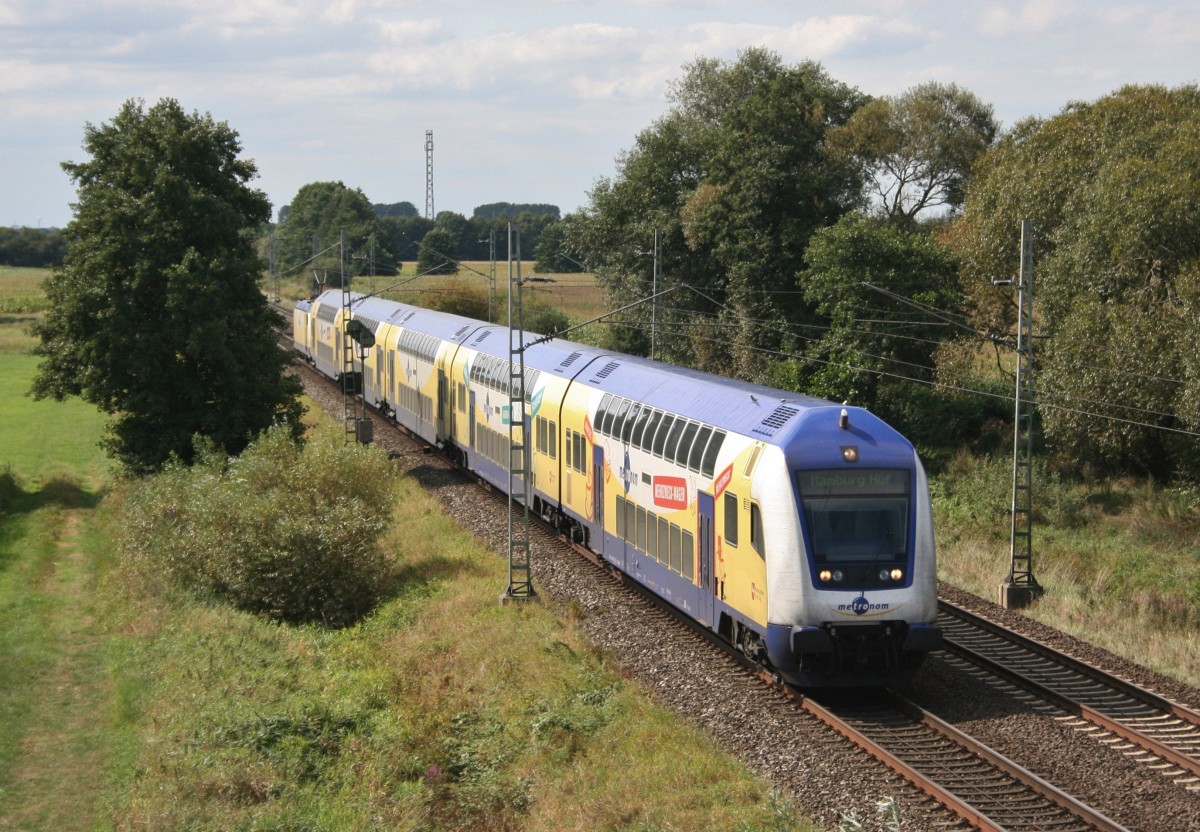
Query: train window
(731, 518)
(859, 517)
(631, 521)
(697, 452)
(609, 415)
(553, 439)
(621, 517)
(673, 438)
(540, 442)
(581, 453)
(709, 463)
(627, 425)
(602, 411)
(639, 426)
(660, 436)
(641, 529)
(647, 437)
(756, 530)
(615, 423)
(652, 534)
(685, 444)
(664, 541)
(689, 556)
(676, 551)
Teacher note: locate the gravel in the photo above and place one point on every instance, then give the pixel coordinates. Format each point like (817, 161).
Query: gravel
(818, 771)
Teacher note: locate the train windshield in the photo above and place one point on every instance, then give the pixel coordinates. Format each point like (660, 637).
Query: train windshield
(856, 516)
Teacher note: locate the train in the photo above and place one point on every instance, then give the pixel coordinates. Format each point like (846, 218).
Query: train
(798, 529)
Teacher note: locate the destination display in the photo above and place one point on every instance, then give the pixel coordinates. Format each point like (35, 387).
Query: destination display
(860, 482)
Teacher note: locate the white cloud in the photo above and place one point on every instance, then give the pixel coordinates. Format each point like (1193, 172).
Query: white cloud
(26, 76)
(332, 88)
(1027, 18)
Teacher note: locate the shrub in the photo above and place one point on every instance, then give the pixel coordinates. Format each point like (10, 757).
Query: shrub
(287, 530)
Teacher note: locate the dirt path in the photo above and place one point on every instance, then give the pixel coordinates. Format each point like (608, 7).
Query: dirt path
(59, 772)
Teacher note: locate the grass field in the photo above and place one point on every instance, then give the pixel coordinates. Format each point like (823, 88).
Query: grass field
(56, 740)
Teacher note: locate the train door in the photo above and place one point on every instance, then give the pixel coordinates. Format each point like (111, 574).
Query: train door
(441, 403)
(598, 498)
(704, 541)
(472, 420)
(389, 387)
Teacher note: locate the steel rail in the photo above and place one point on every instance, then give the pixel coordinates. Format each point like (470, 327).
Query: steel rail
(1097, 713)
(947, 793)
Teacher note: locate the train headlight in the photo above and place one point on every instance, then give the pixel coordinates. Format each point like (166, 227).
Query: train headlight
(825, 575)
(837, 574)
(884, 574)
(897, 574)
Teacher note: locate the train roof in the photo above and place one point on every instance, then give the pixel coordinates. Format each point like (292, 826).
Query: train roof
(738, 406)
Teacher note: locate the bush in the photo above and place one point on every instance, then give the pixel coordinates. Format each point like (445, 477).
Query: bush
(286, 530)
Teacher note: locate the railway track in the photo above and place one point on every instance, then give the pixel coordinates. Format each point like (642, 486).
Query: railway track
(984, 788)
(980, 786)
(1134, 721)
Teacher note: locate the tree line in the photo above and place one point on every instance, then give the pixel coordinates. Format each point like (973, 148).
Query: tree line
(815, 237)
(848, 246)
(384, 236)
(34, 247)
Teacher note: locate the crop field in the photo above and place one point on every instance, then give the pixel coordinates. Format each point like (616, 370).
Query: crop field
(576, 294)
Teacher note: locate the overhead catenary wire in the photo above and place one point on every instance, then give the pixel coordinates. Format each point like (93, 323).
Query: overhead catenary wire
(931, 383)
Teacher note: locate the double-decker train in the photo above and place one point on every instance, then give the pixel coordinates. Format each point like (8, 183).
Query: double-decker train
(798, 529)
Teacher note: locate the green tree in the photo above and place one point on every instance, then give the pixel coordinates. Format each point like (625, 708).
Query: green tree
(395, 209)
(916, 149)
(323, 210)
(497, 210)
(156, 316)
(1113, 190)
(859, 270)
(736, 178)
(402, 235)
(438, 252)
(553, 252)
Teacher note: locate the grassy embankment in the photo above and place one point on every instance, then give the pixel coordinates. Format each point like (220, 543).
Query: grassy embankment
(126, 704)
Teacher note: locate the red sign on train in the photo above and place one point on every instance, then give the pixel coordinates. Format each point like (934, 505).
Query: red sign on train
(670, 492)
(587, 429)
(722, 482)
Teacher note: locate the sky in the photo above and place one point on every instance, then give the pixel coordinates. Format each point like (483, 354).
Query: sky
(529, 102)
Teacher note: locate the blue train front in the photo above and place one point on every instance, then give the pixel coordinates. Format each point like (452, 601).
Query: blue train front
(797, 529)
(853, 586)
